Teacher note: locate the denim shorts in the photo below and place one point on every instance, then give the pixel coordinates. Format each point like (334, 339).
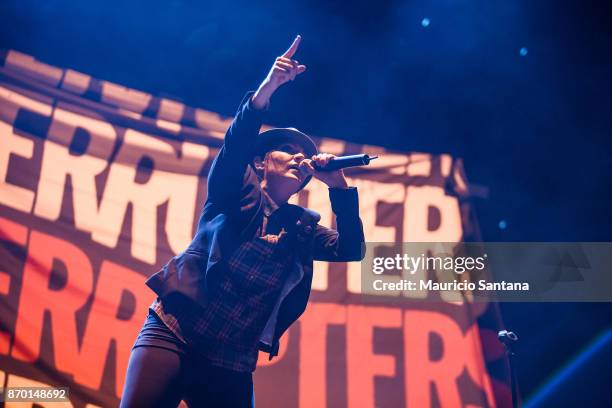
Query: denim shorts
(155, 333)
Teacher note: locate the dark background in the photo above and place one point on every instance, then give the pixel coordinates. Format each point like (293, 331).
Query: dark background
(533, 126)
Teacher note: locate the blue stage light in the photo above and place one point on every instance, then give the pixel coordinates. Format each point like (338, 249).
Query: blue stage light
(502, 225)
(425, 22)
(523, 51)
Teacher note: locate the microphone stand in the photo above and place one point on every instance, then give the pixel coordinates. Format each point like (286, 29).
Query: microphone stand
(509, 339)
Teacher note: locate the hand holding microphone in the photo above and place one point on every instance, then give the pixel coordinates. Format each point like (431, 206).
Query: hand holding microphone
(328, 168)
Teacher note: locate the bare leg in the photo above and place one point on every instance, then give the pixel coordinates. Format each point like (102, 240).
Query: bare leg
(152, 379)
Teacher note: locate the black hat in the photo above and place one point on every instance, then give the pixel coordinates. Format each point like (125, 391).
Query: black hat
(268, 140)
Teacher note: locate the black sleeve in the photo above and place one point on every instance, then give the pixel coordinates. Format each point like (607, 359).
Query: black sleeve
(348, 242)
(227, 172)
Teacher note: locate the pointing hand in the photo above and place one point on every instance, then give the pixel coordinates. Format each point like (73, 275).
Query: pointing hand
(285, 69)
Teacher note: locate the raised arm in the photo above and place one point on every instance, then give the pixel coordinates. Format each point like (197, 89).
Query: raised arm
(228, 170)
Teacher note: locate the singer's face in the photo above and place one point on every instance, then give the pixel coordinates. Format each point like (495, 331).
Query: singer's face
(282, 166)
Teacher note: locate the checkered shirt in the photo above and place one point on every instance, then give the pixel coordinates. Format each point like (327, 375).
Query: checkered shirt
(227, 331)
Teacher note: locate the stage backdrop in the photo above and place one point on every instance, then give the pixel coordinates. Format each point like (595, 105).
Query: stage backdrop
(100, 185)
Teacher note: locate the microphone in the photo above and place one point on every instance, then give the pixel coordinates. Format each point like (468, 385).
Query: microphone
(507, 337)
(342, 162)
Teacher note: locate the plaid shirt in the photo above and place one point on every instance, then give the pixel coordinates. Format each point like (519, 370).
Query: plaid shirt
(244, 301)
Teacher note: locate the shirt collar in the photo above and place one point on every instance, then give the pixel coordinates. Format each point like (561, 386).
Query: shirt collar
(269, 204)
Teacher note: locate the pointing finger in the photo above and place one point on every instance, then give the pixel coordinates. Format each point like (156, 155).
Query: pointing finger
(291, 51)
